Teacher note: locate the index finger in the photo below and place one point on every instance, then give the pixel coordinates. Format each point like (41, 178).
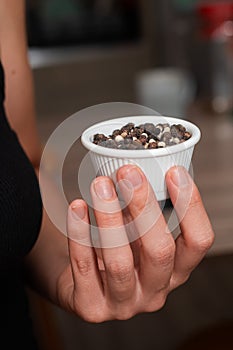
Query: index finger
(115, 248)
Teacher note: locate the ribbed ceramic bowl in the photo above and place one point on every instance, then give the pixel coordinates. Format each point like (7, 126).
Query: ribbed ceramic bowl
(154, 162)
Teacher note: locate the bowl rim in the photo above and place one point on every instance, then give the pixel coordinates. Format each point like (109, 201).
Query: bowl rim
(144, 153)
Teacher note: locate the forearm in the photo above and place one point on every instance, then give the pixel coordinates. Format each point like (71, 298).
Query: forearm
(49, 257)
(47, 260)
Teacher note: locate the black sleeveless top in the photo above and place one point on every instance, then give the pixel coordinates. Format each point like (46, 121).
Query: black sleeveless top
(20, 220)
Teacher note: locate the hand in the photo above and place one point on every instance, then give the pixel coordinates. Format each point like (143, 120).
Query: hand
(126, 278)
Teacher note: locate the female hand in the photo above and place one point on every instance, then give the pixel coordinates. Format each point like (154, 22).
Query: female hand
(140, 263)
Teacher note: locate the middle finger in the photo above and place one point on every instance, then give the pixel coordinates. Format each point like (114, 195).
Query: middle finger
(157, 244)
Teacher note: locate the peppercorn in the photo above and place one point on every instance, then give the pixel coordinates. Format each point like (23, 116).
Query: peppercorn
(143, 136)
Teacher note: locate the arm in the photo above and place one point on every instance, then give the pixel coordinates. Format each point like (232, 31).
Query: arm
(20, 110)
(20, 101)
(126, 279)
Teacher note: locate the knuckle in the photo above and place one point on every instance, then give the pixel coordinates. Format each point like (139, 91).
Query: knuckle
(202, 245)
(120, 271)
(205, 244)
(178, 280)
(84, 265)
(162, 255)
(144, 204)
(158, 303)
(161, 300)
(110, 220)
(124, 314)
(195, 199)
(93, 315)
(182, 280)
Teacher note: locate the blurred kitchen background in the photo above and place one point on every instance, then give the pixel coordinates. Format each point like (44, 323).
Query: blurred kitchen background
(175, 56)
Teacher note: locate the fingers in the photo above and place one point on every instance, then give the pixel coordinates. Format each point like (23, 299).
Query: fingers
(116, 251)
(157, 245)
(87, 284)
(196, 232)
(132, 283)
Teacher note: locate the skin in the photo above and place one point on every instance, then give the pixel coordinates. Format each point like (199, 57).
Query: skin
(105, 283)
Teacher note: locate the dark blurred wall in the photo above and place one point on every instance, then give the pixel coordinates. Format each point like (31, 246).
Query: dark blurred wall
(75, 22)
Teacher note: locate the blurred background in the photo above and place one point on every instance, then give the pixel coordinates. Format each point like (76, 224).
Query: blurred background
(175, 56)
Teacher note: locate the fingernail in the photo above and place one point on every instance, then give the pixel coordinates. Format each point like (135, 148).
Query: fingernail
(180, 177)
(134, 177)
(103, 189)
(78, 212)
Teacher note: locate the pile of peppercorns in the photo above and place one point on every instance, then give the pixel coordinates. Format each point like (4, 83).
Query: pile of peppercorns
(143, 136)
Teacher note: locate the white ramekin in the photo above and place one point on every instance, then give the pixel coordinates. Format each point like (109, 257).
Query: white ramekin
(154, 162)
